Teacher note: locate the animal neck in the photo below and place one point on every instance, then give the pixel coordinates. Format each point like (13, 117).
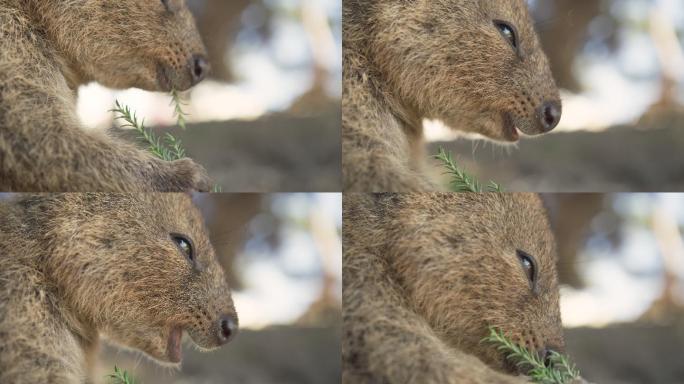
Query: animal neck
(44, 16)
(411, 123)
(86, 338)
(73, 75)
(358, 59)
(359, 66)
(408, 116)
(81, 328)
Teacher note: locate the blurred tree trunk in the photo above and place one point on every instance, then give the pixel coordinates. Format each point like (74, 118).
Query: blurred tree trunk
(219, 24)
(571, 216)
(563, 26)
(227, 216)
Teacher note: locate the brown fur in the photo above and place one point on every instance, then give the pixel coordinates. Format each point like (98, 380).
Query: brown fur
(404, 61)
(50, 47)
(76, 266)
(426, 275)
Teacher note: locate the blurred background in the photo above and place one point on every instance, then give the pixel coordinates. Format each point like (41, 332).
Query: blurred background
(268, 118)
(282, 254)
(620, 65)
(621, 268)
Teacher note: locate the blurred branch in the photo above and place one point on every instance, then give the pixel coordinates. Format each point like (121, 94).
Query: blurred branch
(320, 36)
(671, 246)
(323, 49)
(326, 309)
(669, 51)
(671, 59)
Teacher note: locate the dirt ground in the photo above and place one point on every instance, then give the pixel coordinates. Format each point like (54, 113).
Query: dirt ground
(275, 355)
(628, 353)
(277, 152)
(620, 159)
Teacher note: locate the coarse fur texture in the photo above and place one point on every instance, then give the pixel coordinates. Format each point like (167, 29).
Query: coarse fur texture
(404, 61)
(426, 275)
(77, 266)
(50, 47)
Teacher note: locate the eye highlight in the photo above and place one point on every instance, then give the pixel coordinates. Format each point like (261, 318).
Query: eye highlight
(184, 245)
(508, 32)
(529, 266)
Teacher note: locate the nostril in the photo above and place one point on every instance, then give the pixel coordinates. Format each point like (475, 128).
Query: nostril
(547, 360)
(227, 328)
(546, 354)
(550, 115)
(199, 68)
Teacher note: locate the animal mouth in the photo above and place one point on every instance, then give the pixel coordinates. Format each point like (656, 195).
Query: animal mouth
(173, 345)
(510, 132)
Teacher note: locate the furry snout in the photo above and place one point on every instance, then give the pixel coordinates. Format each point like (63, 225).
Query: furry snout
(536, 120)
(213, 328)
(181, 74)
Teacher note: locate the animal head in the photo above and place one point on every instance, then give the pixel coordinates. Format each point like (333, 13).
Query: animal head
(476, 65)
(140, 269)
(468, 262)
(148, 44)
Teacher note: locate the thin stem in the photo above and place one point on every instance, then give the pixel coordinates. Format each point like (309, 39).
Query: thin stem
(178, 112)
(169, 152)
(120, 377)
(460, 180)
(558, 370)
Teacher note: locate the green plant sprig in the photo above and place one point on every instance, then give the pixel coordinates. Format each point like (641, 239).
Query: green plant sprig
(460, 180)
(170, 149)
(120, 377)
(558, 370)
(178, 112)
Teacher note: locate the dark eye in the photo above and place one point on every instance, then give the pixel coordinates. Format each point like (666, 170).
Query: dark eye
(165, 3)
(508, 32)
(184, 245)
(529, 265)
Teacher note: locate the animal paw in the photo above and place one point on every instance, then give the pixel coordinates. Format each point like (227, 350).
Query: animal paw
(187, 176)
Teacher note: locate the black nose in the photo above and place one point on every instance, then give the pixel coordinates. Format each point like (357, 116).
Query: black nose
(199, 67)
(550, 115)
(228, 327)
(546, 355)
